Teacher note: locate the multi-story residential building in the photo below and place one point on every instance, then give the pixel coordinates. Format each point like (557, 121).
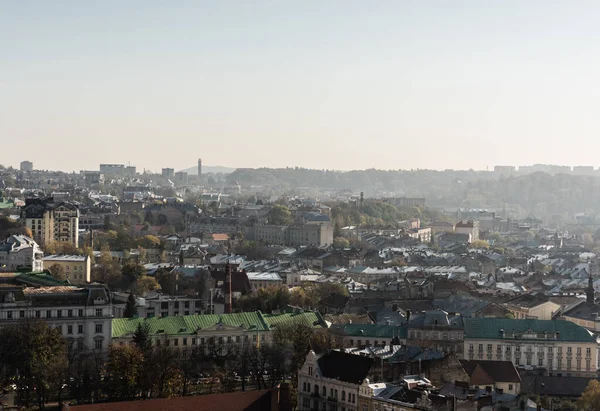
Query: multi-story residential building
(83, 315)
(263, 280)
(26, 166)
(560, 347)
(118, 170)
(438, 330)
(168, 172)
(155, 304)
(19, 252)
(423, 234)
(470, 227)
(227, 225)
(532, 306)
(332, 381)
(407, 202)
(77, 268)
(369, 335)
(487, 219)
(50, 221)
(294, 235)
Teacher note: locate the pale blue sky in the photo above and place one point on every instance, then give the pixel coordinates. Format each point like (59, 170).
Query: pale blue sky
(322, 84)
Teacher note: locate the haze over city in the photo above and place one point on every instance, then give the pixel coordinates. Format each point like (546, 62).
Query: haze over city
(335, 85)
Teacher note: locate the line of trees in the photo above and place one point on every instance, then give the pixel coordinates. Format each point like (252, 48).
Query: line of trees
(45, 367)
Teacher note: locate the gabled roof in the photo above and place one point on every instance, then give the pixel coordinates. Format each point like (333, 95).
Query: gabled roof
(345, 367)
(497, 371)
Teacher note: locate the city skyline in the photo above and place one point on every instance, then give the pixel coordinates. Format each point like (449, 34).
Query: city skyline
(324, 85)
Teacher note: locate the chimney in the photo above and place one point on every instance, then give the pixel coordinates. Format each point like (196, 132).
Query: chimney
(227, 290)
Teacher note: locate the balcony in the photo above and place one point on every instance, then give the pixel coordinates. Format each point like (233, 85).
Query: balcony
(315, 395)
(332, 399)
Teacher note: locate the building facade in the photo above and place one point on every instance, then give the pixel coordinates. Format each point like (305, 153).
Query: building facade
(331, 381)
(83, 315)
(77, 268)
(316, 234)
(51, 221)
(26, 166)
(19, 252)
(560, 347)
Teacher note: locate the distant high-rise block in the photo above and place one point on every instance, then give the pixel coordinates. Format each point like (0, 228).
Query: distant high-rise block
(199, 167)
(168, 172)
(26, 166)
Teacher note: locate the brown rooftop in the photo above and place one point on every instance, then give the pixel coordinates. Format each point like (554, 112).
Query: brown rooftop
(264, 400)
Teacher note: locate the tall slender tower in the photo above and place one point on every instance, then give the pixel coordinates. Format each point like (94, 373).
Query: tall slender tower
(199, 167)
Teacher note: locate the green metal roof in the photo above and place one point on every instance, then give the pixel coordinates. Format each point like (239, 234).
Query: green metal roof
(490, 328)
(39, 279)
(372, 330)
(189, 324)
(310, 318)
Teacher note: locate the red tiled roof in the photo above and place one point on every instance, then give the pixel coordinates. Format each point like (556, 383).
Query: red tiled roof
(220, 237)
(237, 401)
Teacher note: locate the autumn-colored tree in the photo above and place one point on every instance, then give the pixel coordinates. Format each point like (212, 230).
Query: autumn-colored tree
(57, 271)
(146, 283)
(149, 241)
(590, 399)
(480, 244)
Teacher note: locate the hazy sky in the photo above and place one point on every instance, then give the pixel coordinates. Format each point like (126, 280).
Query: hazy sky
(314, 83)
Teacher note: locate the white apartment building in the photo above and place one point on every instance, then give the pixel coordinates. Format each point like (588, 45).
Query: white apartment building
(83, 315)
(19, 252)
(332, 381)
(560, 347)
(263, 280)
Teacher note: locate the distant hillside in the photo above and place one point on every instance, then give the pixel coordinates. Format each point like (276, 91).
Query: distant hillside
(538, 194)
(193, 171)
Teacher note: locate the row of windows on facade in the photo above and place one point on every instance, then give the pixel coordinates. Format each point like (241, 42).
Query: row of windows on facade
(186, 304)
(435, 335)
(12, 315)
(98, 328)
(333, 393)
(588, 350)
(98, 344)
(211, 340)
(559, 363)
(376, 343)
(332, 407)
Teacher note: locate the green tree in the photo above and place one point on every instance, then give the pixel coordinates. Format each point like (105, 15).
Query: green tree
(131, 307)
(33, 355)
(141, 337)
(279, 215)
(341, 242)
(132, 272)
(106, 270)
(123, 372)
